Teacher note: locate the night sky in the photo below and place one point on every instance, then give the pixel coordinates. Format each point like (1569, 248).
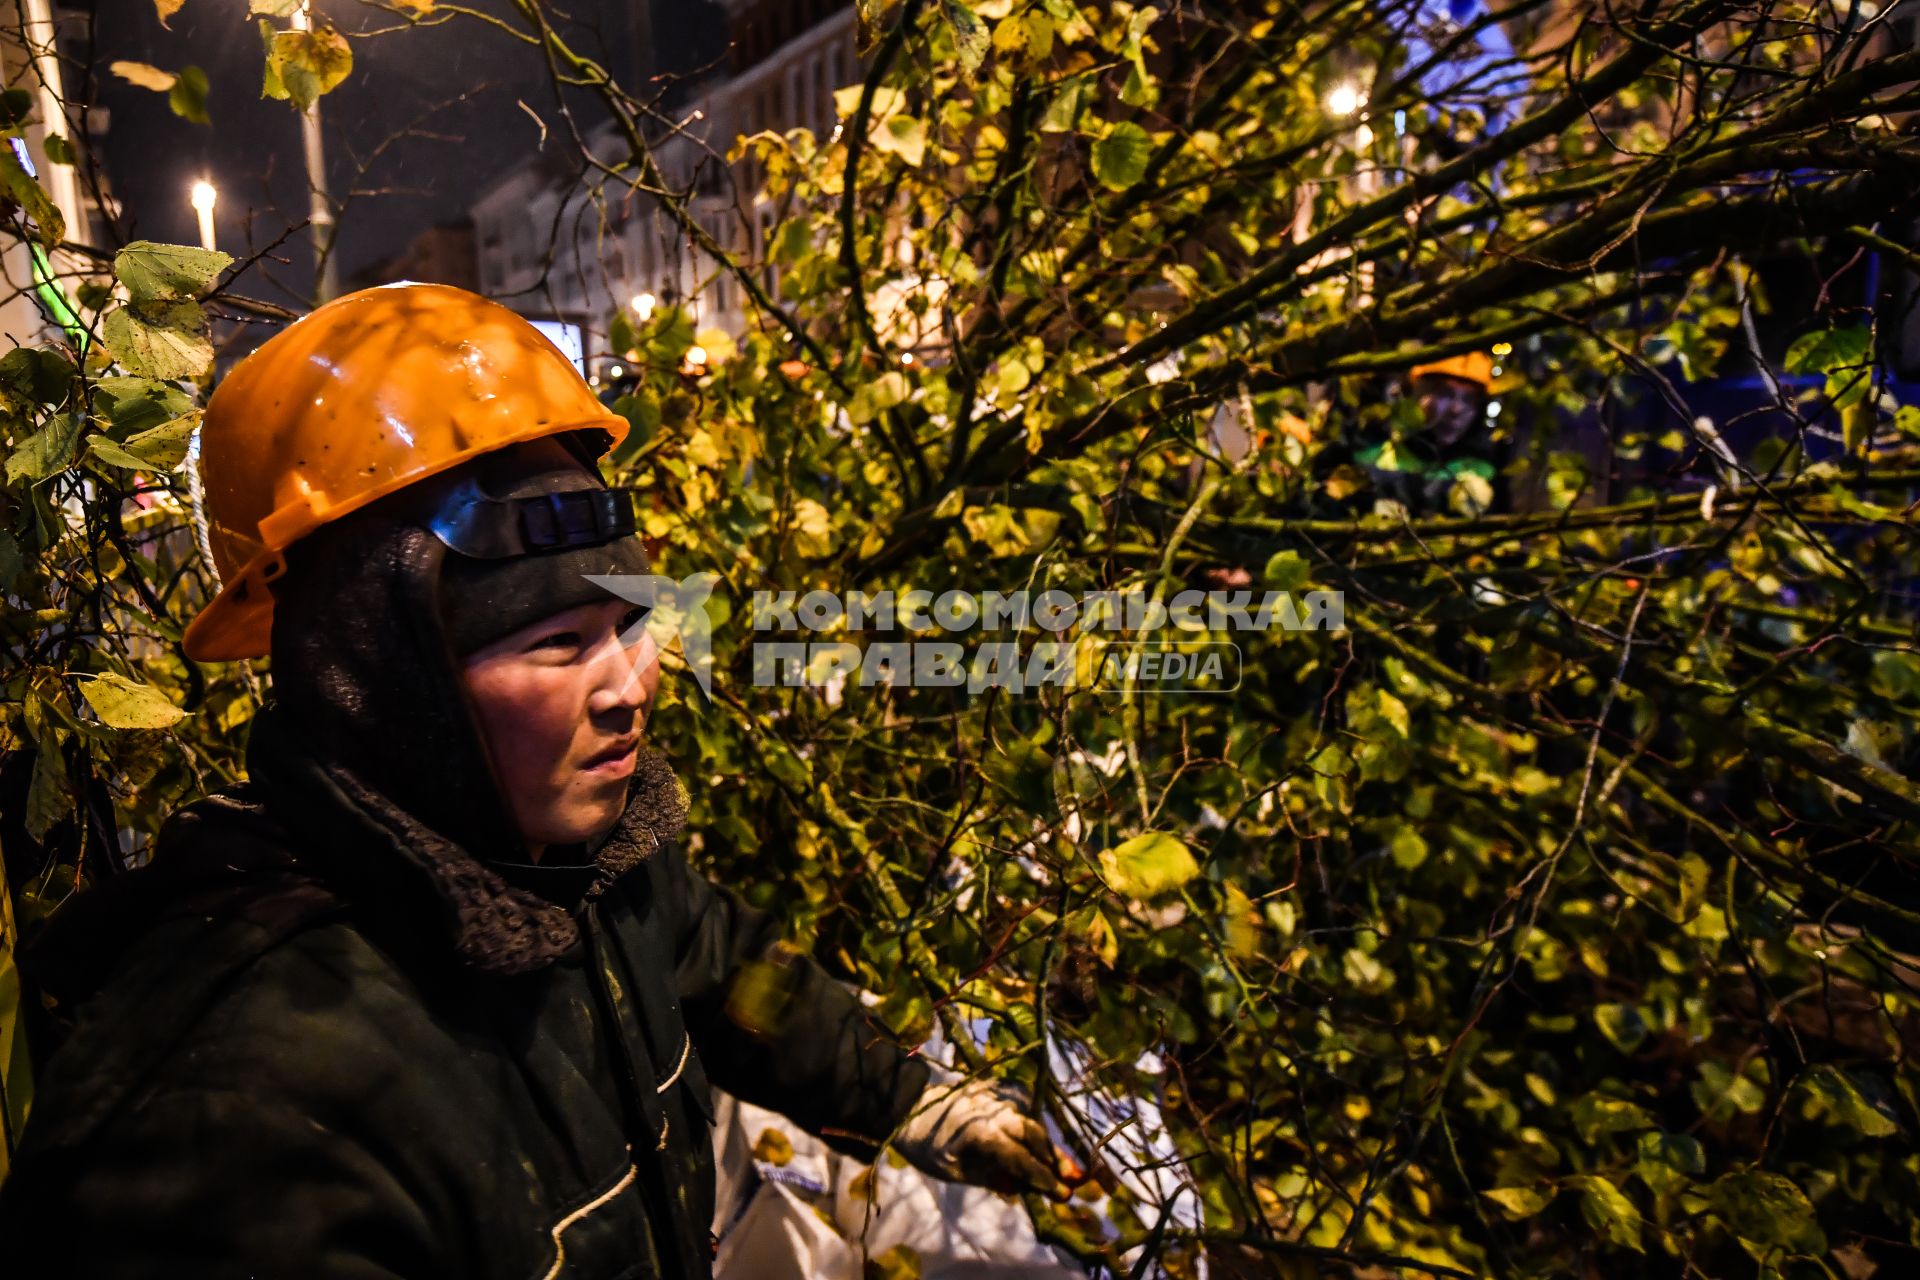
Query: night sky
(431, 113)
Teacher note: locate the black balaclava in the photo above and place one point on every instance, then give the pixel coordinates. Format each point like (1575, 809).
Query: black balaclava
(369, 707)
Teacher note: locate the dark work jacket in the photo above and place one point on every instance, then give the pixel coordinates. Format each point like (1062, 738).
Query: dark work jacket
(277, 1067)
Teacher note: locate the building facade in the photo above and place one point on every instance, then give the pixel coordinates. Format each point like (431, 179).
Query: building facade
(559, 247)
(32, 58)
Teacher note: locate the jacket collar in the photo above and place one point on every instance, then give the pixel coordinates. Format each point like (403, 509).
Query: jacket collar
(354, 837)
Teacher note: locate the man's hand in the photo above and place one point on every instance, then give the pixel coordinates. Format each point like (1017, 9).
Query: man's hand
(978, 1131)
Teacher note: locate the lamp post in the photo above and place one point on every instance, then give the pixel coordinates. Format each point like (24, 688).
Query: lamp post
(204, 197)
(319, 208)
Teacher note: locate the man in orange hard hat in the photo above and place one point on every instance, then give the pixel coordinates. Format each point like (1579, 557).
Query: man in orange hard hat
(1437, 456)
(434, 992)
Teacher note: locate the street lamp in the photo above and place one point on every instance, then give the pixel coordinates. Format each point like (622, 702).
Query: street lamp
(204, 197)
(643, 304)
(1343, 99)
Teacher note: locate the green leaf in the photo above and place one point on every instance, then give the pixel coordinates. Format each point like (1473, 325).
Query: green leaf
(270, 85)
(642, 412)
(1140, 89)
(1068, 105)
(1148, 865)
(970, 37)
(11, 561)
(1834, 1093)
(1595, 1115)
(878, 395)
(1120, 158)
(16, 109)
(156, 272)
(1608, 1211)
(50, 794)
(133, 405)
(1287, 571)
(1694, 882)
(1622, 1025)
(1364, 973)
(1825, 350)
(160, 448)
(1719, 1091)
(1766, 1208)
(188, 96)
(1522, 1202)
(995, 526)
(793, 242)
(159, 339)
(47, 451)
(671, 335)
(622, 337)
(58, 149)
(126, 704)
(49, 226)
(302, 66)
(1409, 848)
(32, 378)
(1667, 1162)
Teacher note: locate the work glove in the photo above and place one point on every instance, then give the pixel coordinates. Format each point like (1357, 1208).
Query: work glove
(978, 1131)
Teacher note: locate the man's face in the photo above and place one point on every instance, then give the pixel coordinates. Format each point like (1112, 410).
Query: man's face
(562, 705)
(1451, 407)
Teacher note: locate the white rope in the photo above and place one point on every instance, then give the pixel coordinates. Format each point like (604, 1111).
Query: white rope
(598, 1202)
(203, 542)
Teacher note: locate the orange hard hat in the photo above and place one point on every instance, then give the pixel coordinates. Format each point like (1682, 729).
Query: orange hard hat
(1474, 366)
(370, 393)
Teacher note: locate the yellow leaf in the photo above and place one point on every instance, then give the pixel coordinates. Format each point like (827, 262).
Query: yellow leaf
(1346, 479)
(159, 340)
(124, 704)
(897, 1263)
(903, 136)
(1101, 936)
(773, 1147)
(147, 77)
(303, 65)
(1242, 924)
(1521, 1202)
(1148, 865)
(718, 344)
(812, 528)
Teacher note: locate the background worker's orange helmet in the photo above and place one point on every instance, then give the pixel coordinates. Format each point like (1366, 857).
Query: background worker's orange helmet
(1474, 366)
(368, 394)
